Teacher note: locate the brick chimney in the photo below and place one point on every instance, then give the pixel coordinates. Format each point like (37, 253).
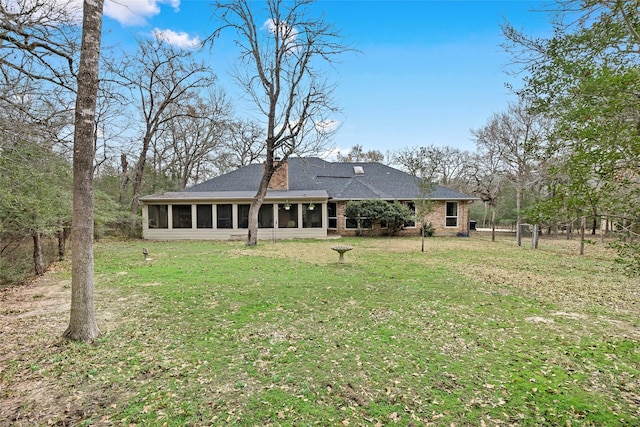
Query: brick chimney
(280, 178)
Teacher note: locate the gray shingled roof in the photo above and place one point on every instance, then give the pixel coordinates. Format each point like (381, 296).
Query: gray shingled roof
(338, 179)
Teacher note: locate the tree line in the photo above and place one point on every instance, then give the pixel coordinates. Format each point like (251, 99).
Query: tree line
(566, 150)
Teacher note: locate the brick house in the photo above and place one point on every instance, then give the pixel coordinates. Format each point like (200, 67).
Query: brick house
(306, 199)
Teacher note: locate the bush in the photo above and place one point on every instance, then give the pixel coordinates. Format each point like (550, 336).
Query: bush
(368, 213)
(628, 256)
(428, 229)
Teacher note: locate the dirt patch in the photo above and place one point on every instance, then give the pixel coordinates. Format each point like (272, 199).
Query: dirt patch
(30, 315)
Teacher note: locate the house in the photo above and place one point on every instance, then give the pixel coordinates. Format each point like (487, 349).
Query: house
(306, 199)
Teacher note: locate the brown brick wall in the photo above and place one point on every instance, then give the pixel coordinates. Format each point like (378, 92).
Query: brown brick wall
(437, 219)
(280, 178)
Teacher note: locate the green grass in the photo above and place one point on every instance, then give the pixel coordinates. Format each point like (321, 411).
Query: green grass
(468, 333)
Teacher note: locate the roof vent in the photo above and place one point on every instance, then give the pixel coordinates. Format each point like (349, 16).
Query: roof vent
(358, 170)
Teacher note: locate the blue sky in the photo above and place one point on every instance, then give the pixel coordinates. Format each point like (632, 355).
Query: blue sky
(427, 72)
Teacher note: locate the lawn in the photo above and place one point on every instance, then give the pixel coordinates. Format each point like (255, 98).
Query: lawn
(470, 332)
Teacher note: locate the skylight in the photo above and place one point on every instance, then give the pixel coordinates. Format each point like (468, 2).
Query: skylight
(358, 170)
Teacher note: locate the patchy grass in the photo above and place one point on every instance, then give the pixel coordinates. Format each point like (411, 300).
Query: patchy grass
(471, 332)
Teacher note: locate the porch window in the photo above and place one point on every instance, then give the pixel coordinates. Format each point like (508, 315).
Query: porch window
(181, 216)
(225, 216)
(205, 216)
(311, 215)
(288, 215)
(158, 216)
(451, 216)
(243, 216)
(265, 216)
(332, 213)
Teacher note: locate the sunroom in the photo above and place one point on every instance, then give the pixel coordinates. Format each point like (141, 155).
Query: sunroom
(224, 215)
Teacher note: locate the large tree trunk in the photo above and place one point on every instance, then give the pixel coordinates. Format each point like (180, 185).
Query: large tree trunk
(82, 322)
(38, 262)
(254, 209)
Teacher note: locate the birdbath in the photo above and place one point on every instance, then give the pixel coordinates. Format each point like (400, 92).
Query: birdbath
(341, 249)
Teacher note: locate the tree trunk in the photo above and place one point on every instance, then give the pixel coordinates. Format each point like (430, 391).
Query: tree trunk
(493, 225)
(62, 247)
(484, 217)
(518, 197)
(82, 321)
(124, 165)
(583, 226)
(137, 187)
(254, 210)
(256, 203)
(38, 262)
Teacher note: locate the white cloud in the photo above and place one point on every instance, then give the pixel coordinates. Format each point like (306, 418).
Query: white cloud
(136, 12)
(180, 39)
(327, 126)
(51, 13)
(286, 32)
(331, 154)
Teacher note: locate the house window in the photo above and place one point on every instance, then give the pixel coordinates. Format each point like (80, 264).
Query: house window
(412, 207)
(243, 216)
(205, 216)
(265, 216)
(181, 216)
(311, 215)
(225, 216)
(332, 213)
(158, 216)
(352, 223)
(288, 215)
(451, 216)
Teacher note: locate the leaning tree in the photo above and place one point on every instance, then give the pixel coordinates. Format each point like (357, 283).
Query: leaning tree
(281, 70)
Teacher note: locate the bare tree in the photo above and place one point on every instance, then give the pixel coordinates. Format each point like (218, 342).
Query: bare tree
(518, 138)
(485, 175)
(158, 78)
(445, 165)
(39, 40)
(82, 322)
(357, 154)
(191, 141)
(244, 146)
(283, 77)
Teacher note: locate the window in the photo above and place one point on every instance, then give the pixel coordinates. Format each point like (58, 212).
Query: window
(412, 207)
(158, 216)
(332, 213)
(451, 216)
(243, 216)
(288, 215)
(311, 215)
(265, 216)
(181, 216)
(205, 216)
(353, 223)
(224, 214)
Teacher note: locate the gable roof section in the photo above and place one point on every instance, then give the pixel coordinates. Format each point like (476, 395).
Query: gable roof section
(339, 180)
